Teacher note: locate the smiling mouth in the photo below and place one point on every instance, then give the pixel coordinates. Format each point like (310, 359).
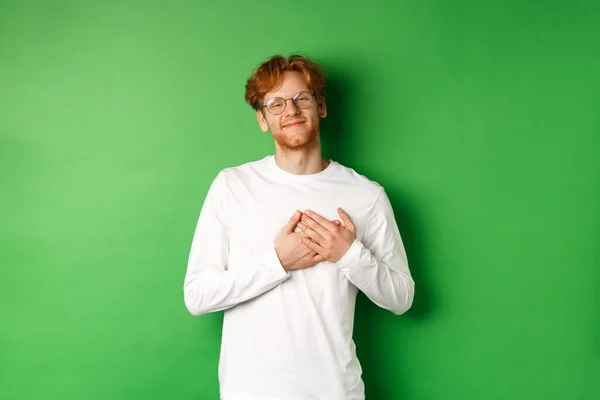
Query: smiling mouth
(293, 124)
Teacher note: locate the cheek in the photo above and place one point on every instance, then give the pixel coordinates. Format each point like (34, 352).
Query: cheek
(272, 119)
(315, 119)
(274, 123)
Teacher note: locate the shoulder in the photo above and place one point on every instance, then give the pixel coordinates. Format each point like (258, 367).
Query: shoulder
(233, 173)
(358, 181)
(232, 183)
(229, 178)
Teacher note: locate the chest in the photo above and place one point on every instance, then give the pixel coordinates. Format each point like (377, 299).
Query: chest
(258, 215)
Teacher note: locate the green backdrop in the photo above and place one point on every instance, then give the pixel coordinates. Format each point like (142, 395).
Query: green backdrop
(481, 119)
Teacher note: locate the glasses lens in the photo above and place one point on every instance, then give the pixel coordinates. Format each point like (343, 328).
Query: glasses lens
(303, 99)
(276, 105)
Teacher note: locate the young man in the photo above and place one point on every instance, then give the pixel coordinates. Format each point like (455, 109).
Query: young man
(270, 250)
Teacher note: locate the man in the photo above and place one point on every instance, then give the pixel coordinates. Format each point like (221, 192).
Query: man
(270, 250)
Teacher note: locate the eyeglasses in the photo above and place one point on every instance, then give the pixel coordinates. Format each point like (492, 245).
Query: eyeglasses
(276, 105)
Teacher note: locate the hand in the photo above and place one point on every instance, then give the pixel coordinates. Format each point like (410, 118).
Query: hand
(292, 253)
(327, 239)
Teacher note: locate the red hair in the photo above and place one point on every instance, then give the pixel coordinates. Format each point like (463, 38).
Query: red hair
(267, 76)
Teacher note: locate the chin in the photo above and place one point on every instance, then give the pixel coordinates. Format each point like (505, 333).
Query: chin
(304, 143)
(296, 140)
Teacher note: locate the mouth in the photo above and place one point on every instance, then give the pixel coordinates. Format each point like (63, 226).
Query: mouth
(293, 123)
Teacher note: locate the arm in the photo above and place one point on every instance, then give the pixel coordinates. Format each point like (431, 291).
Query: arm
(378, 266)
(209, 286)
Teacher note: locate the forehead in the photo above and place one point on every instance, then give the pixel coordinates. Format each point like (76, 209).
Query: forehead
(291, 83)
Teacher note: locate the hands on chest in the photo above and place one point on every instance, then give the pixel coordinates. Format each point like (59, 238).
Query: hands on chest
(318, 240)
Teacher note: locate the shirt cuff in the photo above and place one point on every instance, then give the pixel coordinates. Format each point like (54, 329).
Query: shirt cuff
(272, 261)
(352, 253)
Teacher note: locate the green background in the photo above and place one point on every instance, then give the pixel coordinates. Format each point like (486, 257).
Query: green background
(481, 119)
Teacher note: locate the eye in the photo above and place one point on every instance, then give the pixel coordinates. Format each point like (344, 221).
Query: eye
(275, 101)
(304, 96)
(275, 106)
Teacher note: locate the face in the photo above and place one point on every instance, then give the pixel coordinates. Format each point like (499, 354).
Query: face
(295, 128)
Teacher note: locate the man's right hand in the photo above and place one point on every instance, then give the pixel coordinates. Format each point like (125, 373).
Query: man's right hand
(292, 253)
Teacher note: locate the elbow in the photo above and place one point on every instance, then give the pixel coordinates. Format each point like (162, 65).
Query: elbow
(402, 307)
(198, 301)
(405, 299)
(196, 312)
(191, 303)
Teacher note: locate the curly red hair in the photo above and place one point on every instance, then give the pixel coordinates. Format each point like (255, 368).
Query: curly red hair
(268, 75)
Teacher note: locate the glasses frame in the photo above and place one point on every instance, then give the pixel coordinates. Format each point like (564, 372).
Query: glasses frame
(293, 99)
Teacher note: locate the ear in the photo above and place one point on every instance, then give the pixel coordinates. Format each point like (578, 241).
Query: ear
(322, 106)
(262, 121)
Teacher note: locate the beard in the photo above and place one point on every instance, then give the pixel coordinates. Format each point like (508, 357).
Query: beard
(294, 141)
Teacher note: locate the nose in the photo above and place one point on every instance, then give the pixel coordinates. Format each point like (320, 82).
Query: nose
(291, 108)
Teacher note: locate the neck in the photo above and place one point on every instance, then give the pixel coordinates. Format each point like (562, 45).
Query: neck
(301, 161)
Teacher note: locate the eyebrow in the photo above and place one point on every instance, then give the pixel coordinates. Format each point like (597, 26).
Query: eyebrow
(285, 97)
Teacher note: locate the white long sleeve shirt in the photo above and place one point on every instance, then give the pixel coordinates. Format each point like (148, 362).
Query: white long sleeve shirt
(288, 335)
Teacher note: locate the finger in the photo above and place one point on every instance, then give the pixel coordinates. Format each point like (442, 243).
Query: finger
(308, 253)
(291, 225)
(317, 258)
(321, 221)
(335, 221)
(347, 221)
(317, 227)
(311, 233)
(314, 246)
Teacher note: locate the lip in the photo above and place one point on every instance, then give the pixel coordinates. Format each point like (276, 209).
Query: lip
(293, 123)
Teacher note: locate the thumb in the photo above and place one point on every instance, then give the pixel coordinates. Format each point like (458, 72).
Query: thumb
(291, 225)
(347, 221)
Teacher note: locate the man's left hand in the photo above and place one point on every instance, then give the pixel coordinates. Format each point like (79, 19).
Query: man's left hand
(326, 238)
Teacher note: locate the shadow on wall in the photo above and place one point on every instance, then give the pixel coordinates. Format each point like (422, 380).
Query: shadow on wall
(377, 332)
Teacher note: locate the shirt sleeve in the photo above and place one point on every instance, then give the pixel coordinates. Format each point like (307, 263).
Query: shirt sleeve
(209, 286)
(378, 266)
